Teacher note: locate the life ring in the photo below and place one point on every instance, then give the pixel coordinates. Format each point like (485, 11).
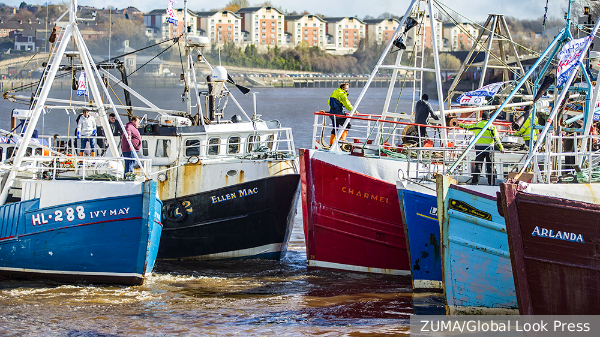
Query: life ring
(171, 209)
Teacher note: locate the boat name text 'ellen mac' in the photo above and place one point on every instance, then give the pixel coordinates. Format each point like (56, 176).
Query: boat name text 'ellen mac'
(365, 195)
(545, 233)
(230, 196)
(79, 213)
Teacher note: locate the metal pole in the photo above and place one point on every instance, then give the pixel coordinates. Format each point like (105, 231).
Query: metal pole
(55, 63)
(513, 93)
(560, 99)
(334, 146)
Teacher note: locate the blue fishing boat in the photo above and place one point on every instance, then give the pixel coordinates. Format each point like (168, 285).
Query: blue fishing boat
(418, 203)
(476, 265)
(109, 232)
(75, 218)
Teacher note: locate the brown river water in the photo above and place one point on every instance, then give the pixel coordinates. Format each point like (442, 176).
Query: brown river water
(223, 298)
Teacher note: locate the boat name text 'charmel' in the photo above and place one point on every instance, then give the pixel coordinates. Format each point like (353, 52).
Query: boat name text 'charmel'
(365, 195)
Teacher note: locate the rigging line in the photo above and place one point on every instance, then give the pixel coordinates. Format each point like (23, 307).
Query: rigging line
(143, 65)
(181, 58)
(475, 24)
(30, 59)
(139, 50)
(502, 62)
(113, 91)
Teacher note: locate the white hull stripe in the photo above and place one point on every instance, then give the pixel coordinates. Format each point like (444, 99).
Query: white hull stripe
(66, 272)
(340, 266)
(427, 284)
(266, 249)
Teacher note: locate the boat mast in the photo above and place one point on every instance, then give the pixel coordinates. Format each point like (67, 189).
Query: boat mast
(40, 104)
(187, 58)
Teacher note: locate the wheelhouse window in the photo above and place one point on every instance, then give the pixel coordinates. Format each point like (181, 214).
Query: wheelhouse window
(145, 148)
(213, 146)
(9, 152)
(252, 142)
(270, 142)
(233, 145)
(192, 147)
(163, 147)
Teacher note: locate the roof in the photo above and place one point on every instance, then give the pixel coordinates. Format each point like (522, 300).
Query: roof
(293, 17)
(377, 21)
(298, 17)
(211, 13)
(254, 9)
(338, 19)
(157, 11)
(248, 9)
(205, 14)
(333, 19)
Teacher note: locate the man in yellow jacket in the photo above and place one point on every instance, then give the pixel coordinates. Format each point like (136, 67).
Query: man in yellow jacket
(483, 147)
(525, 131)
(337, 101)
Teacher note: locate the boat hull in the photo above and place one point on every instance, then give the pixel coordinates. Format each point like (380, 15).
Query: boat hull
(476, 264)
(108, 240)
(352, 221)
(419, 214)
(555, 274)
(248, 220)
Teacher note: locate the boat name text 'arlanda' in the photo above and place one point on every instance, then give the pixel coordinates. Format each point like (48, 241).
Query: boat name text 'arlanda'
(41, 218)
(545, 233)
(365, 195)
(231, 196)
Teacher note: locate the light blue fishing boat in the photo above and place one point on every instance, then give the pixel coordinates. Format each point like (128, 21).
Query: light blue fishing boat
(418, 203)
(476, 266)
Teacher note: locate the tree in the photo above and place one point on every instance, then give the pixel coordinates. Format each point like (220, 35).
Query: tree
(22, 5)
(235, 5)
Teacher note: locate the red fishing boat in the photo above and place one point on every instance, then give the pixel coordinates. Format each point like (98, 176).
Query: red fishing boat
(351, 213)
(554, 237)
(351, 216)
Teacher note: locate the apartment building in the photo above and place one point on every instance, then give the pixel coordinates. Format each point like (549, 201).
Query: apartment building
(220, 26)
(157, 27)
(307, 30)
(456, 39)
(262, 25)
(344, 34)
(380, 30)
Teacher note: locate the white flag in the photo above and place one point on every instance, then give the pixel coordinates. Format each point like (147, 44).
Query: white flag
(82, 85)
(171, 17)
(569, 58)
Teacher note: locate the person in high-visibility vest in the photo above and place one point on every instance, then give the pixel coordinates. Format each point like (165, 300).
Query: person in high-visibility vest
(525, 131)
(337, 102)
(483, 147)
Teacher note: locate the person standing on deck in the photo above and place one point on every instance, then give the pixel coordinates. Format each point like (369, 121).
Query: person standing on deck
(525, 131)
(132, 133)
(422, 112)
(337, 101)
(86, 130)
(483, 147)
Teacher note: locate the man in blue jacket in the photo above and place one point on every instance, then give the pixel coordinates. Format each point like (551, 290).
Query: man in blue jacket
(337, 101)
